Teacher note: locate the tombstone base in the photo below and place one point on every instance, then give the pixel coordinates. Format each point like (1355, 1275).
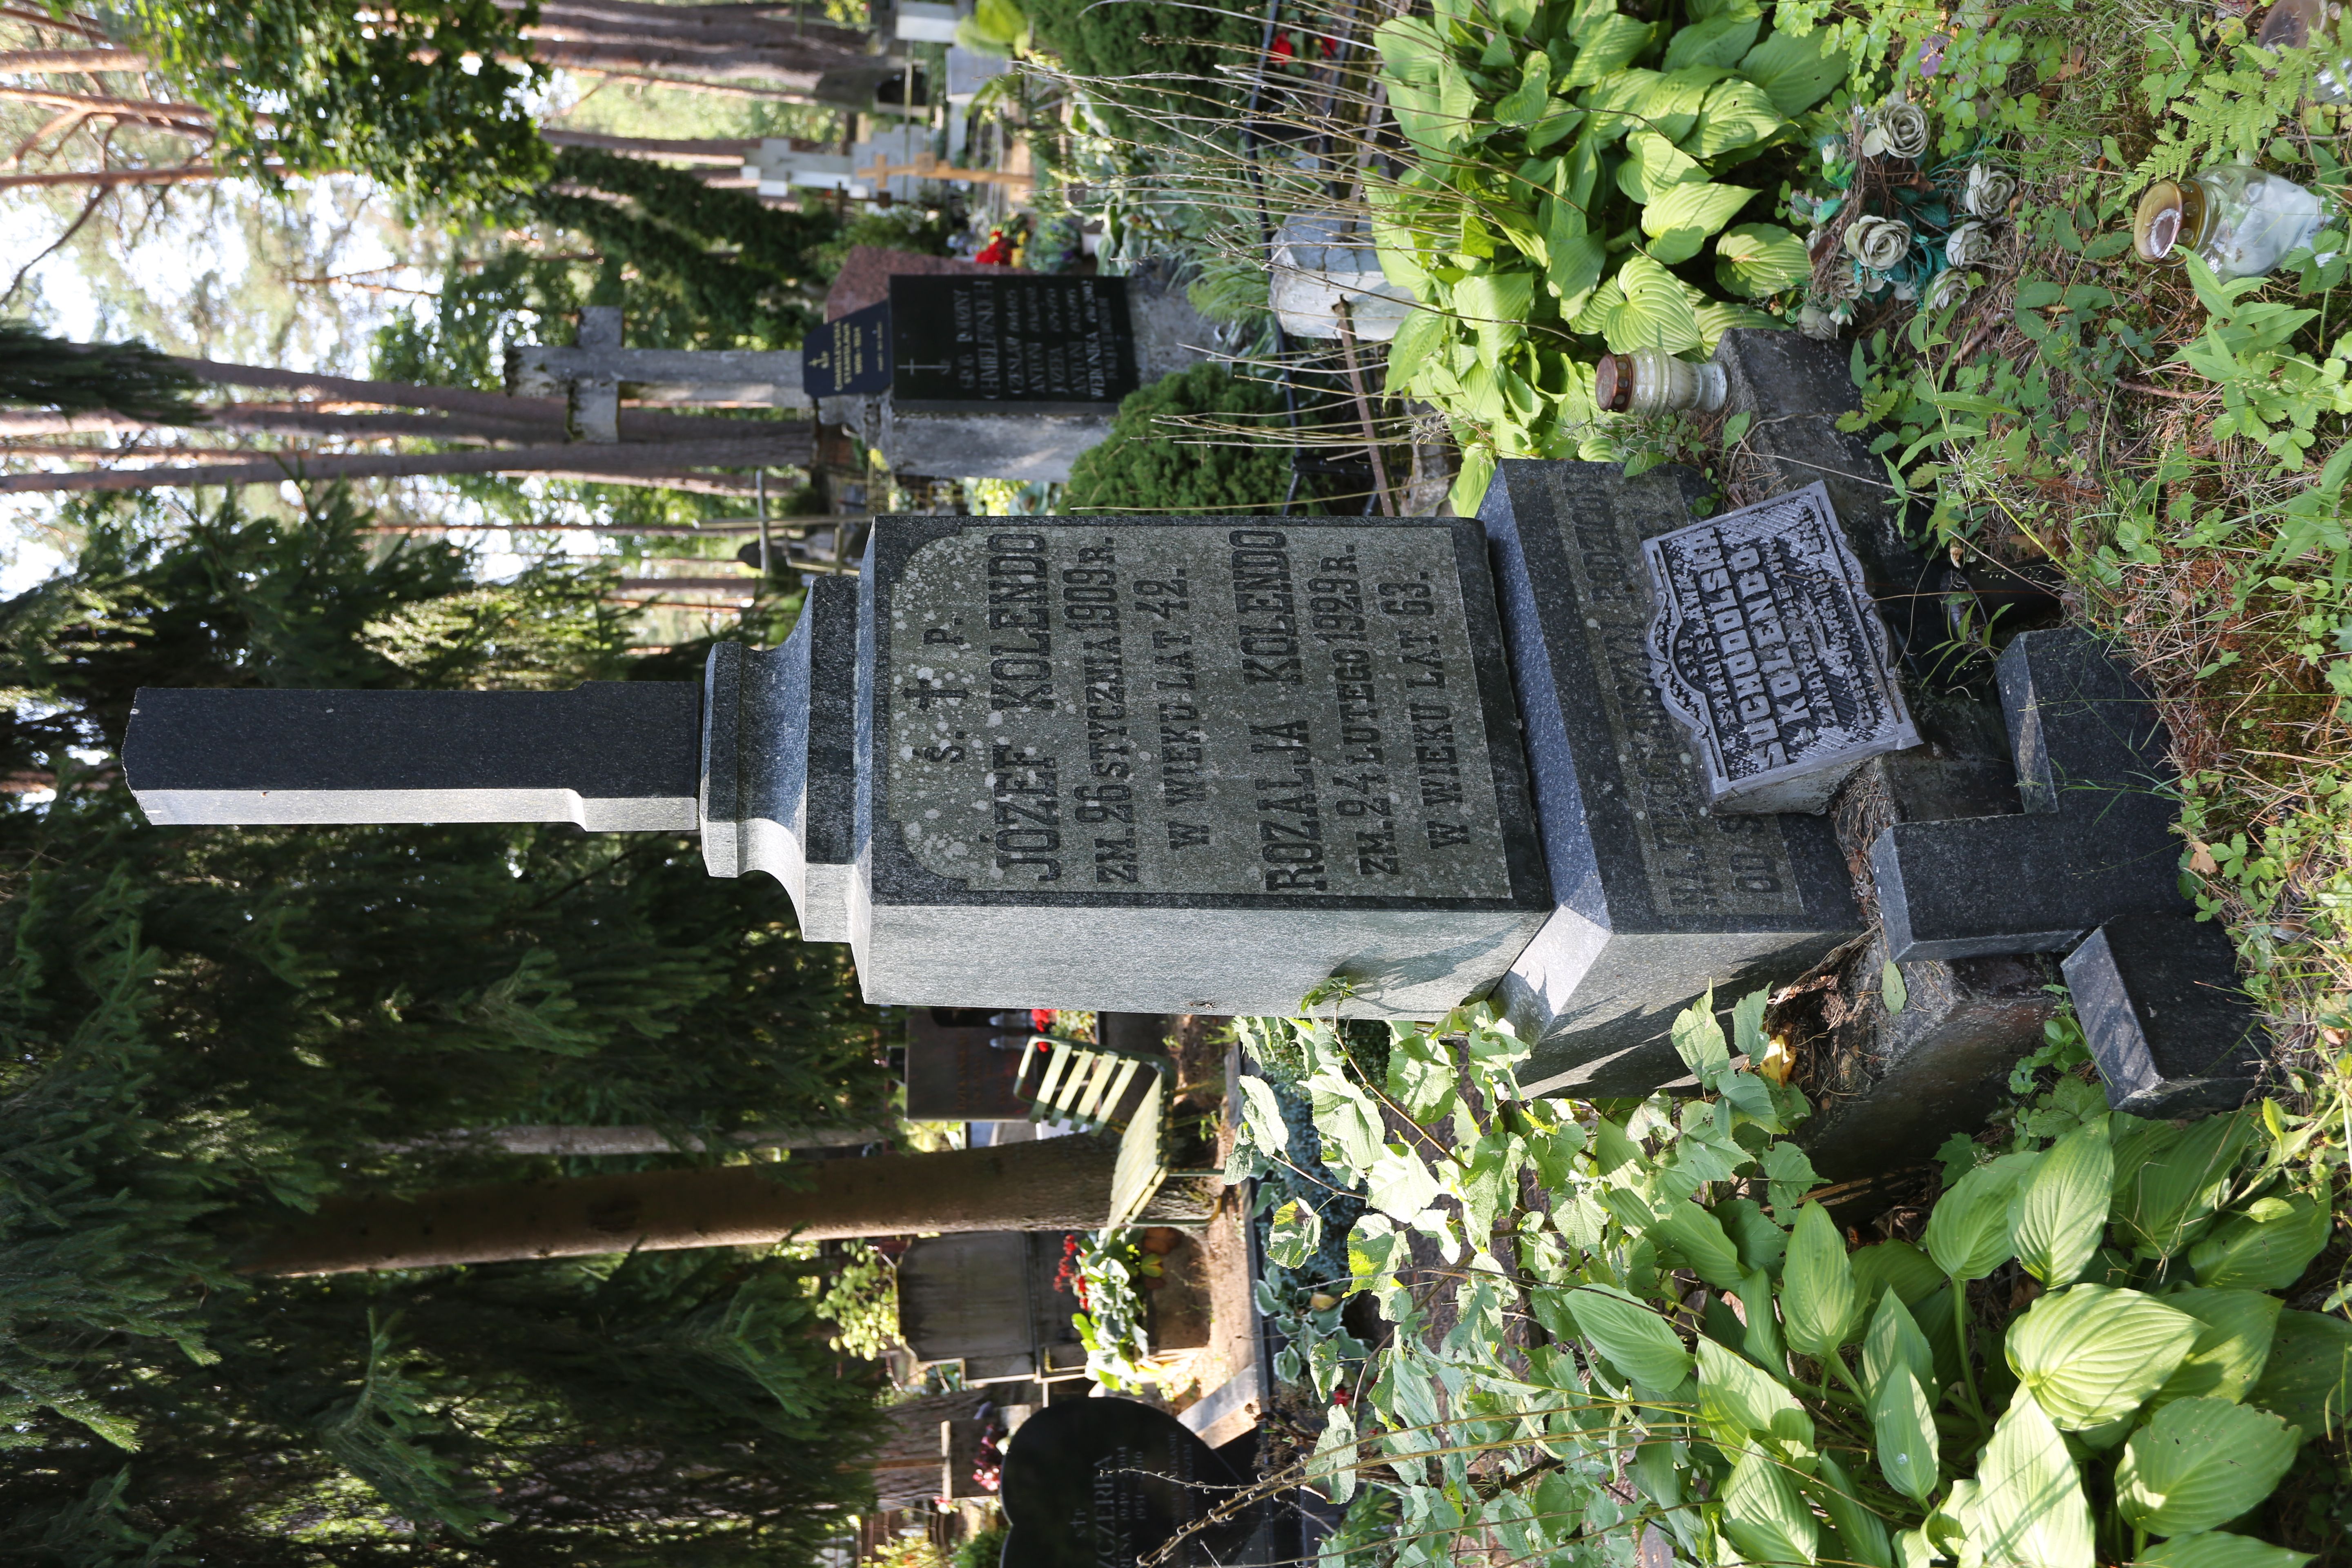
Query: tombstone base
(2162, 1010)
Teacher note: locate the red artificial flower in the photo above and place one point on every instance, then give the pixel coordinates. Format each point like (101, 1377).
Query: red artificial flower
(1282, 49)
(999, 252)
(1042, 1020)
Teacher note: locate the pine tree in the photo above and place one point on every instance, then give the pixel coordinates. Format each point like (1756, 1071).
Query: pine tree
(209, 1026)
(41, 372)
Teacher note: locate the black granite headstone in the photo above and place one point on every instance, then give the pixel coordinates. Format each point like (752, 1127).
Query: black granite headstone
(956, 1073)
(610, 755)
(1097, 1483)
(849, 355)
(2161, 1007)
(2094, 844)
(1031, 342)
(1187, 765)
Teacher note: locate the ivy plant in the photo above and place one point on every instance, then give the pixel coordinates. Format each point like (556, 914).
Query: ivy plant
(1581, 180)
(2083, 1358)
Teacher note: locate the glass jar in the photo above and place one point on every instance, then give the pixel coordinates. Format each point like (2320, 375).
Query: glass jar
(2240, 220)
(2301, 24)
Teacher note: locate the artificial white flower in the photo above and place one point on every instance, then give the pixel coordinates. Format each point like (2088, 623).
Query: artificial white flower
(1894, 129)
(1817, 324)
(1948, 287)
(1990, 191)
(1971, 244)
(1879, 243)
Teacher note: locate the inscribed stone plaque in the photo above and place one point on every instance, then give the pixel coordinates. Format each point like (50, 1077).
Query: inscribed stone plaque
(1224, 714)
(1767, 651)
(1656, 895)
(1027, 340)
(1099, 1483)
(849, 355)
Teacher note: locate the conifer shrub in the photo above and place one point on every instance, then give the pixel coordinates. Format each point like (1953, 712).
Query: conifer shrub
(1151, 464)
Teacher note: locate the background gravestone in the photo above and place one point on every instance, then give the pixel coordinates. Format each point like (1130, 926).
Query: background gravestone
(1097, 1483)
(955, 1072)
(1065, 344)
(1656, 895)
(1186, 765)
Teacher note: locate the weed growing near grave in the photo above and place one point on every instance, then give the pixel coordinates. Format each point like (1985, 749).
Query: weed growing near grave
(1102, 1268)
(2082, 1355)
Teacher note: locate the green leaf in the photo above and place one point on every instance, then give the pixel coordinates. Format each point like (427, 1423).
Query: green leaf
(2308, 1378)
(1635, 1339)
(1795, 72)
(1761, 1243)
(1763, 1514)
(1653, 310)
(1295, 1232)
(1423, 1074)
(1861, 1533)
(1891, 989)
(1698, 1041)
(1698, 1235)
(1616, 105)
(1526, 103)
(2172, 1198)
(2200, 1463)
(2265, 1249)
(1682, 217)
(1735, 114)
(1606, 42)
(1898, 1264)
(1968, 1234)
(1261, 1114)
(1577, 260)
(1903, 1422)
(1717, 41)
(1421, 334)
(2233, 1343)
(1787, 1170)
(2029, 1506)
(2212, 1549)
(1653, 166)
(1895, 1345)
(1346, 1117)
(1717, 317)
(1738, 1397)
(1334, 1464)
(1399, 1185)
(2061, 1209)
(1496, 305)
(2089, 1354)
(1820, 1305)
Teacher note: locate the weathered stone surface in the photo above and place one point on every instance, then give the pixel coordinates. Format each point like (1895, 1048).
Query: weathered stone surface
(612, 756)
(1187, 765)
(1767, 648)
(779, 769)
(1655, 897)
(2095, 842)
(2161, 1007)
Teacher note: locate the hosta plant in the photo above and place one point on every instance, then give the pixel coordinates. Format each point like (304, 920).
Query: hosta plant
(2083, 1359)
(1581, 180)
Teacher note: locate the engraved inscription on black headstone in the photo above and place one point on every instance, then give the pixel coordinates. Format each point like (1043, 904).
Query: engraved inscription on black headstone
(1097, 1483)
(849, 355)
(1768, 649)
(973, 339)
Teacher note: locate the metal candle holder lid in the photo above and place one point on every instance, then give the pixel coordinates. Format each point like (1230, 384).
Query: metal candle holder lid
(1613, 382)
(2291, 23)
(2169, 223)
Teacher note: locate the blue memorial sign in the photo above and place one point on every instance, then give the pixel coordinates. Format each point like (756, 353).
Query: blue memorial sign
(849, 355)
(970, 338)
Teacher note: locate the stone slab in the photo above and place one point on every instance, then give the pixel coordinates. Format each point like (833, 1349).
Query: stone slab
(1655, 897)
(1187, 765)
(611, 756)
(2095, 842)
(778, 734)
(1096, 1482)
(2161, 1004)
(1769, 651)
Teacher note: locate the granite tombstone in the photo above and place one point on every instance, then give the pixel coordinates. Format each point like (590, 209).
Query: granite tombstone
(1655, 894)
(1187, 765)
(1099, 1483)
(1044, 343)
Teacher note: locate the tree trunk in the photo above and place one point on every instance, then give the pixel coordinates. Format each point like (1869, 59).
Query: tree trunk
(193, 173)
(788, 449)
(726, 154)
(378, 394)
(1060, 1184)
(593, 1141)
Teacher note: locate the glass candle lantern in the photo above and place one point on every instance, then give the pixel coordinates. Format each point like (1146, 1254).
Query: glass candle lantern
(1652, 381)
(2301, 25)
(2240, 220)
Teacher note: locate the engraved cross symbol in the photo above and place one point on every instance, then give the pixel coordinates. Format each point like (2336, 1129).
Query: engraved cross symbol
(922, 693)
